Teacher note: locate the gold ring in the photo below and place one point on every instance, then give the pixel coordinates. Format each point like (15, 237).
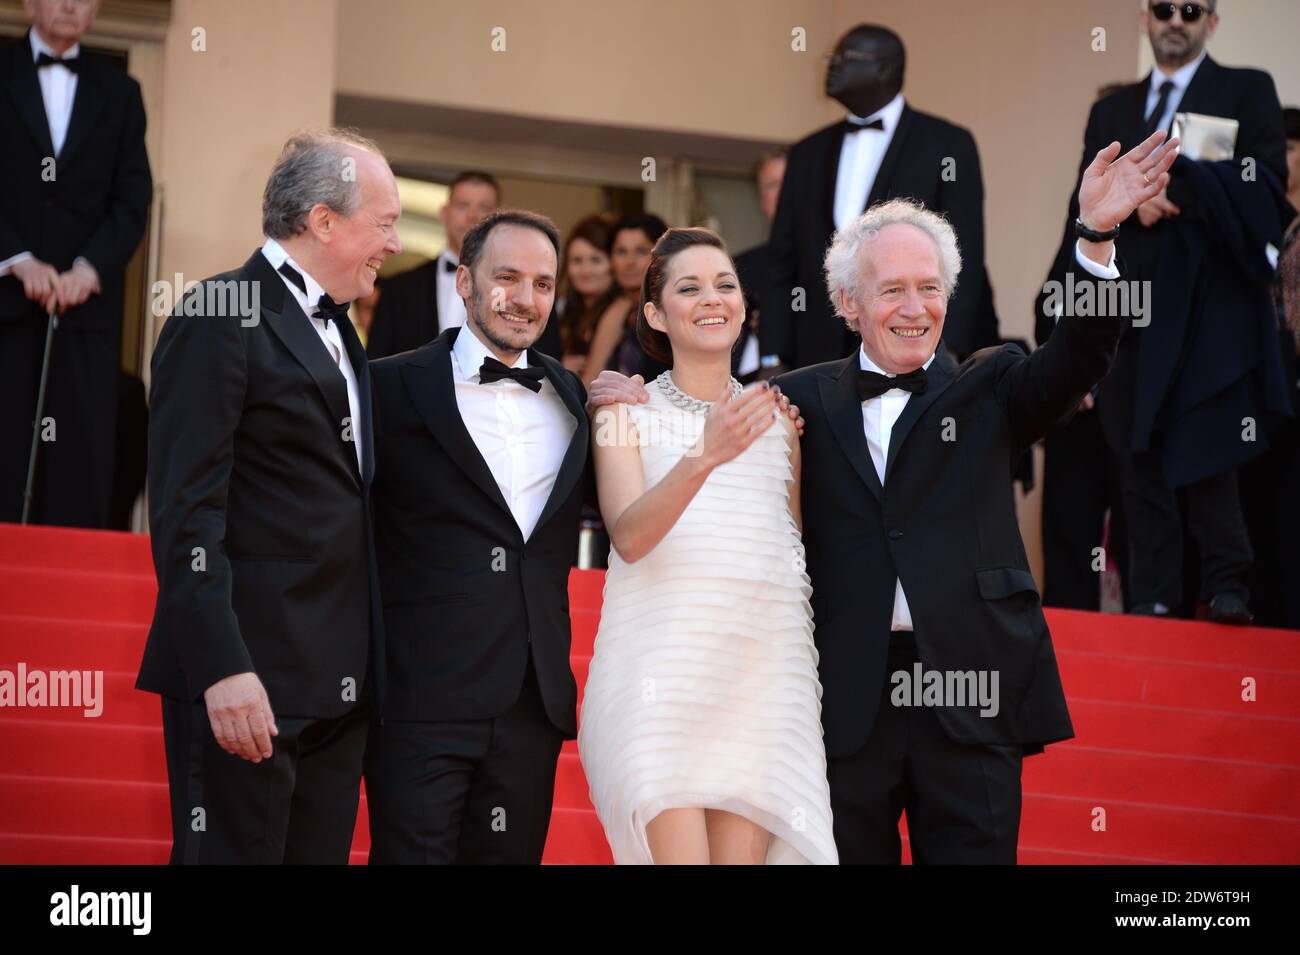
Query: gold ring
(1145, 179)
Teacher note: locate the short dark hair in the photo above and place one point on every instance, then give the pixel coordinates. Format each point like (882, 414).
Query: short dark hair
(646, 222)
(475, 175)
(1291, 122)
(674, 241)
(476, 239)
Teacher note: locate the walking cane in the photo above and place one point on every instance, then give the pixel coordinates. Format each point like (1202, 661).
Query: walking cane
(40, 408)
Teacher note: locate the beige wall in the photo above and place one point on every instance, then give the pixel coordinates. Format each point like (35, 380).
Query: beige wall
(1019, 73)
(225, 113)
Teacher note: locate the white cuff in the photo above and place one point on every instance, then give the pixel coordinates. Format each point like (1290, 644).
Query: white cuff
(1107, 271)
(8, 264)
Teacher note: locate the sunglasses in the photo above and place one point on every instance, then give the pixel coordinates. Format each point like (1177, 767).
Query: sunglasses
(1165, 11)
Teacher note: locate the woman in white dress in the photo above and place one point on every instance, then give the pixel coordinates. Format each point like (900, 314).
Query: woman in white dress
(700, 726)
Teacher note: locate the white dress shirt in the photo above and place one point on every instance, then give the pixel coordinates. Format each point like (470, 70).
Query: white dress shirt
(451, 307)
(879, 415)
(861, 154)
(58, 91)
(1180, 78)
(325, 329)
(522, 435)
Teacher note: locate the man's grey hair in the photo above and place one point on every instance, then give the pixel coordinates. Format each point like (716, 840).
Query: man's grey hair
(315, 166)
(843, 263)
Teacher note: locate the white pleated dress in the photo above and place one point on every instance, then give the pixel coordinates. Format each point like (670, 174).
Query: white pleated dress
(703, 686)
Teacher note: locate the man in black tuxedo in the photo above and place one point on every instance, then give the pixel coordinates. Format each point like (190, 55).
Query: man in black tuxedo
(1184, 79)
(884, 149)
(420, 304)
(266, 636)
(916, 561)
(482, 455)
(72, 211)
(923, 570)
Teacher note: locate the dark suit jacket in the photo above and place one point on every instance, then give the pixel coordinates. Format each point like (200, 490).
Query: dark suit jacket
(466, 598)
(96, 205)
(1247, 96)
(251, 460)
(913, 167)
(407, 315)
(1242, 94)
(944, 523)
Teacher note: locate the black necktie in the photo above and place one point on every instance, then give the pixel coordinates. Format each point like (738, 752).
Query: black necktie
(855, 124)
(1153, 121)
(326, 308)
(72, 62)
(873, 385)
(493, 370)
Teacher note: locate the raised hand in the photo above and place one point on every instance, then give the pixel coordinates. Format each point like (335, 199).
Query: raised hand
(734, 423)
(1112, 188)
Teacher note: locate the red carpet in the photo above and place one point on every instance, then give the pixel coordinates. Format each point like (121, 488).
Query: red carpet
(1184, 770)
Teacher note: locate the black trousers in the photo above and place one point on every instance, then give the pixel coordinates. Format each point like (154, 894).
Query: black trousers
(1152, 514)
(298, 807)
(464, 791)
(74, 471)
(962, 801)
(1081, 481)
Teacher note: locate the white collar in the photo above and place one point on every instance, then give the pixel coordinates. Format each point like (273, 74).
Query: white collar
(276, 255)
(866, 364)
(39, 46)
(470, 352)
(449, 256)
(1181, 77)
(888, 114)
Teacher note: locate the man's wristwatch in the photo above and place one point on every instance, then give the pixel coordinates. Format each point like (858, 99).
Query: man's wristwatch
(1092, 235)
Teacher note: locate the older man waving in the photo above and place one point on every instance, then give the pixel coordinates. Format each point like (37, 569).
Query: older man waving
(936, 664)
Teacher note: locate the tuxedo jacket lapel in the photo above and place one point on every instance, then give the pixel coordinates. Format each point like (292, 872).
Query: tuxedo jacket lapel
(432, 388)
(575, 457)
(25, 90)
(830, 172)
(287, 321)
(86, 107)
(938, 377)
(885, 175)
(1202, 91)
(365, 427)
(839, 394)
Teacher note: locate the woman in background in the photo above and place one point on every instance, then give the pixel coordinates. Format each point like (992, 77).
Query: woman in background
(586, 288)
(614, 344)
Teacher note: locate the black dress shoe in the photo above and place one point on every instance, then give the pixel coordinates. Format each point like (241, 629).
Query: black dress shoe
(1230, 609)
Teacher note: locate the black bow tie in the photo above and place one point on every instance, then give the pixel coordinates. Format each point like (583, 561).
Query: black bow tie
(326, 308)
(72, 62)
(855, 124)
(448, 265)
(493, 370)
(873, 385)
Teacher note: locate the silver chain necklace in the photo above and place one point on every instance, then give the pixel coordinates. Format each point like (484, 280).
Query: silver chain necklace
(685, 401)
